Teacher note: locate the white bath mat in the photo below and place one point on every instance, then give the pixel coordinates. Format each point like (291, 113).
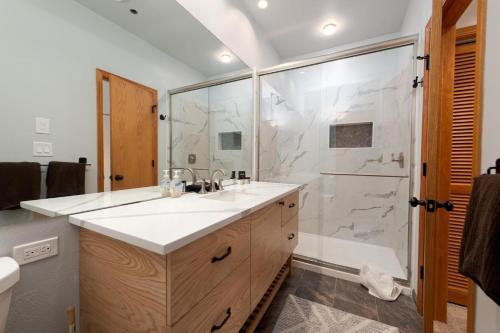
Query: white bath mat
(302, 316)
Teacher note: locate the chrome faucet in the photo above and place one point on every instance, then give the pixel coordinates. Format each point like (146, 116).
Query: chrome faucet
(193, 175)
(212, 180)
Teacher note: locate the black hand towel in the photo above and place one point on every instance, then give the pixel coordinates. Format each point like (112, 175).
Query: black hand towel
(19, 181)
(64, 179)
(480, 250)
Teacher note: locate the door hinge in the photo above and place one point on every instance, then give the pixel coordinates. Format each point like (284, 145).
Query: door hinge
(154, 108)
(153, 163)
(422, 272)
(427, 61)
(417, 82)
(424, 169)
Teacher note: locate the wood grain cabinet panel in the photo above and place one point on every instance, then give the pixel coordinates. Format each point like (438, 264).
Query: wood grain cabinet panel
(290, 207)
(195, 269)
(224, 309)
(122, 287)
(265, 249)
(289, 238)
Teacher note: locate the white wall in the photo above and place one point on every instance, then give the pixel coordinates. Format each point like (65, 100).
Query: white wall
(417, 16)
(487, 312)
(226, 20)
(50, 51)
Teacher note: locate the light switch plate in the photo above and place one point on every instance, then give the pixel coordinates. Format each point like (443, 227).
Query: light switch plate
(42, 148)
(35, 251)
(42, 125)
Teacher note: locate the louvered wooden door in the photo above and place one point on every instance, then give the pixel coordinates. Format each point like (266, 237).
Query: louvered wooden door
(462, 157)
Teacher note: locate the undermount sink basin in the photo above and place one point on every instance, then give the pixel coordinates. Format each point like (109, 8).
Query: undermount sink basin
(230, 196)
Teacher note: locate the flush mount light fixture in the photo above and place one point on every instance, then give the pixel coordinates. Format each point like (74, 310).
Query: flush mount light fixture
(225, 58)
(134, 11)
(262, 4)
(329, 29)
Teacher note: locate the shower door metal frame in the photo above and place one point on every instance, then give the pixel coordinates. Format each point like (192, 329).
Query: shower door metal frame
(411, 40)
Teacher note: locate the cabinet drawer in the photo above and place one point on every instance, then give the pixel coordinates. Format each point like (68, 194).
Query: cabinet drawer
(290, 207)
(194, 270)
(290, 237)
(224, 309)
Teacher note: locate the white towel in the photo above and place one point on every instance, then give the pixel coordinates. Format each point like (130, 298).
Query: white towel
(379, 284)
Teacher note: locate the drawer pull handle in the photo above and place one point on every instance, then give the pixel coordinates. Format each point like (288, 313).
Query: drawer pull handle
(291, 205)
(291, 236)
(228, 252)
(281, 203)
(218, 327)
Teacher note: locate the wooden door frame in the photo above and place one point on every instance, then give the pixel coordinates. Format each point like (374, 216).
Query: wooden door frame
(440, 102)
(101, 76)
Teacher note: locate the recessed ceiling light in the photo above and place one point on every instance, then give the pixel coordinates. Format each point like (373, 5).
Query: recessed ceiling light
(225, 58)
(134, 11)
(329, 29)
(262, 4)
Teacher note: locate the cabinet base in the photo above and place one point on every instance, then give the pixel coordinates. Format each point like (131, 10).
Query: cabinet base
(261, 308)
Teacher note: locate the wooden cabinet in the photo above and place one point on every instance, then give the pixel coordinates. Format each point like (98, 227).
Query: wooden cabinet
(266, 249)
(211, 285)
(195, 269)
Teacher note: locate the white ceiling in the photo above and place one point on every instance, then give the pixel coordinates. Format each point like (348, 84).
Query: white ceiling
(168, 26)
(294, 26)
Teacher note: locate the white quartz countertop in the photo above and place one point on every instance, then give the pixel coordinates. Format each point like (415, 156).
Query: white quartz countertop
(88, 202)
(167, 224)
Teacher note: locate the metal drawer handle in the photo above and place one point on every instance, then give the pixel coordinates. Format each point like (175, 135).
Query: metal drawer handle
(281, 203)
(228, 252)
(291, 205)
(291, 236)
(218, 327)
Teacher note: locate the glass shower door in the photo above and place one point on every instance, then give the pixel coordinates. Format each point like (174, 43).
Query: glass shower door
(344, 129)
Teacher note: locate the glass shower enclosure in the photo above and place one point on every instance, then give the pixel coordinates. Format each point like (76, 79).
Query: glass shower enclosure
(344, 129)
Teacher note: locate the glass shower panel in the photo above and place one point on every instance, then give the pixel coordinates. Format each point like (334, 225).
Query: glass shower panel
(344, 128)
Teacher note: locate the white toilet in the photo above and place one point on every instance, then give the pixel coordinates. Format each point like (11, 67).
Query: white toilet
(9, 275)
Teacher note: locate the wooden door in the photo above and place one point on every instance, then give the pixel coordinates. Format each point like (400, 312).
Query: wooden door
(445, 151)
(133, 137)
(462, 162)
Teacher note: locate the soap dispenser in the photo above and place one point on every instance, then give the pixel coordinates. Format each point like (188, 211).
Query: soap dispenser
(165, 184)
(176, 185)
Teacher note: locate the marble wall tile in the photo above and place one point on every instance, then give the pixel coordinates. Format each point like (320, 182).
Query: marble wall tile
(297, 109)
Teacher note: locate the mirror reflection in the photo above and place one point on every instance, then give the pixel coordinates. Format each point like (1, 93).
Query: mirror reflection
(212, 129)
(94, 114)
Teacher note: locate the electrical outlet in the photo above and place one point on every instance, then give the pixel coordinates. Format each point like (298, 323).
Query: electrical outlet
(35, 251)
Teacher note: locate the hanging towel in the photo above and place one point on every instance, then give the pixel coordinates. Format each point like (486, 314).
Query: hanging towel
(19, 181)
(379, 284)
(65, 178)
(480, 249)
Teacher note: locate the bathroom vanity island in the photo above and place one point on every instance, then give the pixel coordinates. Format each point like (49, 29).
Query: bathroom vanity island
(199, 263)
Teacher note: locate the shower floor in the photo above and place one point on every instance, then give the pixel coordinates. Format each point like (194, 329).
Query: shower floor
(349, 253)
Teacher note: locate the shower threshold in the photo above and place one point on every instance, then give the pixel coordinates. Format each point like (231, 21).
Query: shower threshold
(347, 255)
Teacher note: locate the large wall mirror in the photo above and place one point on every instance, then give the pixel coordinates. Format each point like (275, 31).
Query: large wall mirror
(77, 52)
(212, 128)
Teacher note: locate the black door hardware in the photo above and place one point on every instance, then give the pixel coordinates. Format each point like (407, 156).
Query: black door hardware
(417, 83)
(281, 203)
(218, 327)
(154, 108)
(118, 178)
(291, 205)
(431, 205)
(291, 236)
(228, 252)
(427, 60)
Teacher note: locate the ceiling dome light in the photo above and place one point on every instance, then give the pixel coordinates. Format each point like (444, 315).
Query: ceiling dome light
(225, 58)
(262, 4)
(329, 29)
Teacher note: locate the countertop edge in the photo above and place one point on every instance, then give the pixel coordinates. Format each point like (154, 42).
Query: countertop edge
(177, 244)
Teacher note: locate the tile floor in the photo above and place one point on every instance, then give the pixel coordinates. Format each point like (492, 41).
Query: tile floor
(346, 296)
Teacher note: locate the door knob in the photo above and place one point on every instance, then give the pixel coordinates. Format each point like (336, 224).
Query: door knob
(118, 178)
